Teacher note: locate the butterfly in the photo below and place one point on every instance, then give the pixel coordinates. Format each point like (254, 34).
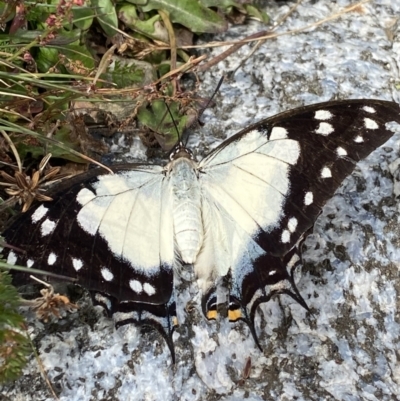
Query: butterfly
(242, 212)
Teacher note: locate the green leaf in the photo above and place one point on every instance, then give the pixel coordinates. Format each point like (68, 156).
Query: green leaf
(7, 11)
(9, 298)
(63, 135)
(83, 16)
(188, 13)
(47, 58)
(151, 27)
(159, 120)
(24, 149)
(77, 52)
(14, 347)
(249, 9)
(62, 38)
(37, 150)
(106, 15)
(127, 73)
(222, 4)
(256, 13)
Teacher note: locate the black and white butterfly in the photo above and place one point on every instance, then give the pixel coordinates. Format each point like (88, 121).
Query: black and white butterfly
(243, 210)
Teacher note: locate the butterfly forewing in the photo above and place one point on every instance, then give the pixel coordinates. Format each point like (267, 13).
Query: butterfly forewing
(261, 192)
(297, 160)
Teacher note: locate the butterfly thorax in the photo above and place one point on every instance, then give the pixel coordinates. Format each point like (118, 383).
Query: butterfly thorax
(188, 228)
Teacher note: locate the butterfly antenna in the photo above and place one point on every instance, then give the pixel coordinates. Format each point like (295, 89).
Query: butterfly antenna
(212, 96)
(174, 122)
(200, 113)
(203, 109)
(210, 100)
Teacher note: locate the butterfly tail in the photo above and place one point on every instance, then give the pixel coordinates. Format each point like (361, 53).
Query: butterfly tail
(160, 317)
(270, 277)
(236, 311)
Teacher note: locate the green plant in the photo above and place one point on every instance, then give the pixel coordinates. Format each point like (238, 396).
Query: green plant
(14, 345)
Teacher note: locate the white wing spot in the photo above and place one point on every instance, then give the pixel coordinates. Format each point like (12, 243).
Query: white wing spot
(29, 263)
(341, 152)
(12, 258)
(52, 259)
(324, 129)
(358, 139)
(308, 198)
(149, 289)
(47, 227)
(278, 133)
(285, 237)
(136, 286)
(369, 109)
(106, 273)
(77, 263)
(370, 124)
(39, 213)
(292, 224)
(323, 115)
(272, 272)
(326, 172)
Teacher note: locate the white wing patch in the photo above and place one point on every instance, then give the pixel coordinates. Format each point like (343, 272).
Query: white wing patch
(85, 196)
(214, 258)
(308, 198)
(286, 150)
(253, 186)
(89, 217)
(341, 151)
(285, 237)
(291, 228)
(39, 213)
(292, 224)
(278, 133)
(323, 115)
(369, 109)
(243, 194)
(370, 124)
(226, 246)
(52, 259)
(136, 286)
(77, 264)
(118, 210)
(106, 273)
(47, 227)
(326, 172)
(12, 258)
(149, 289)
(324, 129)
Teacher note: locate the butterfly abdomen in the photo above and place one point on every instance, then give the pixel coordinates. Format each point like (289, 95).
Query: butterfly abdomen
(186, 211)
